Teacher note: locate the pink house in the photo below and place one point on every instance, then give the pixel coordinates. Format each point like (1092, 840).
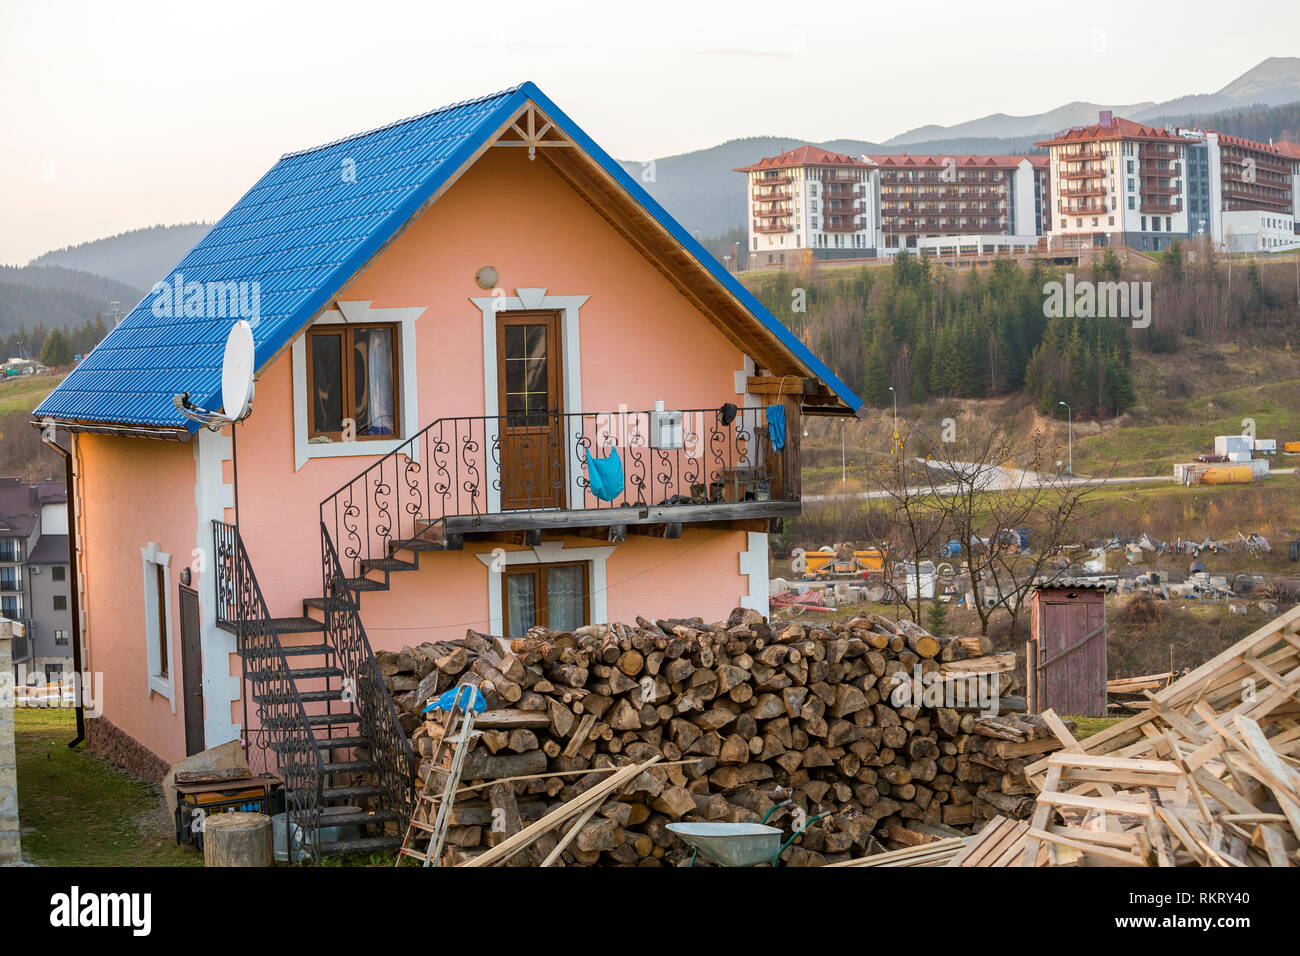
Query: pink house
(496, 386)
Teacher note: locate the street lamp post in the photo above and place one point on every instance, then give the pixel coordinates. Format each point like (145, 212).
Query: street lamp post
(1069, 414)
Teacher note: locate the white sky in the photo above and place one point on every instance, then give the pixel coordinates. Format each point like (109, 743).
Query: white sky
(117, 115)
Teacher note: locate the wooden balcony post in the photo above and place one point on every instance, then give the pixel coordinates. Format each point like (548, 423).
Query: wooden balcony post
(790, 456)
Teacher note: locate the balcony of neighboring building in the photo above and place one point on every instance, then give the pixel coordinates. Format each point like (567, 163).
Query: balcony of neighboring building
(1160, 207)
(769, 226)
(772, 210)
(1088, 209)
(773, 195)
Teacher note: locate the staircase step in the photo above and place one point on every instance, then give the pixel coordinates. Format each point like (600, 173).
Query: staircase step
(417, 544)
(364, 845)
(362, 817)
(348, 766)
(388, 564)
(325, 603)
(335, 794)
(365, 584)
(306, 696)
(324, 743)
(297, 625)
(297, 673)
(292, 650)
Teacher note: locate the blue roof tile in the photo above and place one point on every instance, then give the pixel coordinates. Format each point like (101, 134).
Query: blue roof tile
(300, 232)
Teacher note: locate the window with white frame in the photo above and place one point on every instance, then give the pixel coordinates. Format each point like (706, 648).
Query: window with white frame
(157, 618)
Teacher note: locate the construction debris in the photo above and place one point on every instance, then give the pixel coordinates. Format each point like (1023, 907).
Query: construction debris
(1204, 776)
(875, 722)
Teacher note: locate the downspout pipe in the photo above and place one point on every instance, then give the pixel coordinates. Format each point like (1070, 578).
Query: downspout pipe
(76, 582)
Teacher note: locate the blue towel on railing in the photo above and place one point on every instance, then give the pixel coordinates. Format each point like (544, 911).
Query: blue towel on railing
(776, 426)
(605, 475)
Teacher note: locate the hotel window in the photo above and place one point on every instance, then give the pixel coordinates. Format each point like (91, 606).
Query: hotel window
(1169, 224)
(60, 636)
(58, 572)
(556, 596)
(1144, 224)
(1131, 203)
(60, 602)
(352, 373)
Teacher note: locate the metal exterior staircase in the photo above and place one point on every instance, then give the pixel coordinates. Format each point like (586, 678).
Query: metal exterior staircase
(325, 723)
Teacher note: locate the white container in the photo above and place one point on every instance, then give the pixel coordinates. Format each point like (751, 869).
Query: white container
(1227, 444)
(1266, 445)
(665, 428)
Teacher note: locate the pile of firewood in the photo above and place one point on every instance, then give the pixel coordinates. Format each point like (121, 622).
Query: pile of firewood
(745, 715)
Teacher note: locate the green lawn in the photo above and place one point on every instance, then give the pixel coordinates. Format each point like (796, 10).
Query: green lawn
(24, 392)
(78, 810)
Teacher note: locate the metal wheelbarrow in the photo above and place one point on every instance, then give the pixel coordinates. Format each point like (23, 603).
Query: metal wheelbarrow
(739, 844)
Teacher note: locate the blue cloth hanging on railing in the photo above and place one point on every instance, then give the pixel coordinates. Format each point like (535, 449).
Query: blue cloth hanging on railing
(467, 696)
(776, 426)
(605, 475)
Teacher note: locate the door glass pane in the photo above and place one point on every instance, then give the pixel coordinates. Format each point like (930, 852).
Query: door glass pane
(372, 368)
(327, 382)
(527, 379)
(566, 600)
(521, 603)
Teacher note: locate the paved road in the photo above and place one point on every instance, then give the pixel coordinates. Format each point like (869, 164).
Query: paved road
(1002, 478)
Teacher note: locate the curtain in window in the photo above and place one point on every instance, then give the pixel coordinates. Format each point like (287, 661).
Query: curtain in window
(566, 603)
(374, 352)
(521, 600)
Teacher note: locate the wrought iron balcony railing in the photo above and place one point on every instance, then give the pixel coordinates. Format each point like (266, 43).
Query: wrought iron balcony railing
(537, 466)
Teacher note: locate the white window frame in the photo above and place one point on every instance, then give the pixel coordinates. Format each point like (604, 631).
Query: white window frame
(152, 558)
(548, 552)
(351, 313)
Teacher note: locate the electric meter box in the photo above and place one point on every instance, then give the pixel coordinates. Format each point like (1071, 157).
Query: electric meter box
(665, 428)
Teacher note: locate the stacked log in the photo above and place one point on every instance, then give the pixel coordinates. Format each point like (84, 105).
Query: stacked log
(832, 716)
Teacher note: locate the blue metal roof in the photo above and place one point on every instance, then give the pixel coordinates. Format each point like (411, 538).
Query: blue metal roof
(302, 231)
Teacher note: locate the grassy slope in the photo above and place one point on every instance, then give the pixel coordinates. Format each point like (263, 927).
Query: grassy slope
(77, 810)
(24, 392)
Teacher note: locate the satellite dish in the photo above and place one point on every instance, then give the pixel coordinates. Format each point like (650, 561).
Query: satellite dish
(237, 371)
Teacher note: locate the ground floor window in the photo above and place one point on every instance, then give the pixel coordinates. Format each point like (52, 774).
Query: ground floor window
(557, 596)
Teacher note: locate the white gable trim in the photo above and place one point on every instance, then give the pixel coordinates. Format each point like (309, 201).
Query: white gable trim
(528, 300)
(349, 312)
(548, 552)
(151, 558)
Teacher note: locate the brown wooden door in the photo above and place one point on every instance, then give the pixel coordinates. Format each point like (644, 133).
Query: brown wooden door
(191, 671)
(532, 411)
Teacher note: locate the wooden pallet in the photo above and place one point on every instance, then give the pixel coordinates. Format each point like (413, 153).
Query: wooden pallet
(1206, 775)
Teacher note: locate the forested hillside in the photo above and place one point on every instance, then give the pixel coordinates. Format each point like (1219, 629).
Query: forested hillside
(931, 331)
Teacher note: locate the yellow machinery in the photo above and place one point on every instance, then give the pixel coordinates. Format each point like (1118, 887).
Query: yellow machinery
(1228, 475)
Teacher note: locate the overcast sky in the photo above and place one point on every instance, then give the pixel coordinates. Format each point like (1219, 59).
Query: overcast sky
(118, 115)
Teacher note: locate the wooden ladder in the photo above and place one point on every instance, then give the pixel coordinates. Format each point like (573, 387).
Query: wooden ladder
(432, 814)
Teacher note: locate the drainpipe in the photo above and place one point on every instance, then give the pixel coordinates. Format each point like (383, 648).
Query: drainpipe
(75, 581)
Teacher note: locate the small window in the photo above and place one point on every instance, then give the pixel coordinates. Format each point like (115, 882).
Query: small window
(160, 608)
(552, 595)
(58, 572)
(60, 602)
(352, 379)
(60, 637)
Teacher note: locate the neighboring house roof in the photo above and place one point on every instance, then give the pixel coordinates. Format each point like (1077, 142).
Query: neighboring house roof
(940, 160)
(801, 156)
(51, 549)
(1117, 128)
(20, 504)
(1227, 139)
(1288, 148)
(303, 231)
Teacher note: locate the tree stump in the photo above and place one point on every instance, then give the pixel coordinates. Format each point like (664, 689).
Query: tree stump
(237, 839)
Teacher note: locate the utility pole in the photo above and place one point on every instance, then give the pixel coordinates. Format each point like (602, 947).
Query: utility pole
(895, 393)
(1070, 425)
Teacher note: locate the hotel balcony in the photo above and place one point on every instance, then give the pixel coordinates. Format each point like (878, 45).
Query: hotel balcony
(1080, 192)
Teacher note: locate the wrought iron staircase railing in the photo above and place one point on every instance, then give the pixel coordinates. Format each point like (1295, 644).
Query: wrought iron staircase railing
(284, 731)
(345, 634)
(538, 461)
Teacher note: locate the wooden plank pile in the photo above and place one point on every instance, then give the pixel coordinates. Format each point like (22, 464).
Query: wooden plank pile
(742, 715)
(1205, 775)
